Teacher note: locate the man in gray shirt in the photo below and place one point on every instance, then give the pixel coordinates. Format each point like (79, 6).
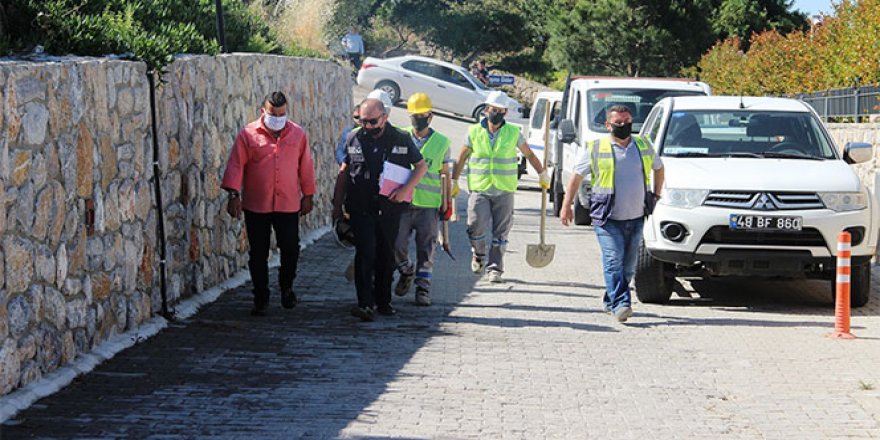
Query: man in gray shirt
(620, 170)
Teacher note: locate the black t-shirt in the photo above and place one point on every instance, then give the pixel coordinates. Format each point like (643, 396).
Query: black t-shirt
(365, 156)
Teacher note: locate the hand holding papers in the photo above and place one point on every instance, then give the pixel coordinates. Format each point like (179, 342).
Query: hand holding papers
(393, 178)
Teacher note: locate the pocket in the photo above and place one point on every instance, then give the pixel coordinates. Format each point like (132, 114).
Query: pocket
(600, 207)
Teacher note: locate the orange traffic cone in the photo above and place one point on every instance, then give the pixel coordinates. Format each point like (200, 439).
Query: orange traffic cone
(841, 305)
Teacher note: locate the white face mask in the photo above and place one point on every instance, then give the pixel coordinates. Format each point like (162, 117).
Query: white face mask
(274, 123)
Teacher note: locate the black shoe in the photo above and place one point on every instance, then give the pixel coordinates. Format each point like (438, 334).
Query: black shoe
(386, 310)
(365, 313)
(259, 310)
(288, 298)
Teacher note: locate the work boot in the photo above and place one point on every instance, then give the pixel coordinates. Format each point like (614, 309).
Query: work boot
(403, 284)
(364, 313)
(423, 297)
(477, 264)
(288, 298)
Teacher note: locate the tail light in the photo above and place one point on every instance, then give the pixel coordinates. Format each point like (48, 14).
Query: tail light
(366, 66)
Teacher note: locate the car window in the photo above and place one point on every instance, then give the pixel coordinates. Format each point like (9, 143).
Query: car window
(639, 101)
(554, 113)
(454, 77)
(538, 114)
(475, 82)
(654, 119)
(577, 111)
(419, 66)
(745, 132)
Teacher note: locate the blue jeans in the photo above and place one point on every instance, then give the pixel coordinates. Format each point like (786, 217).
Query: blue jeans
(619, 241)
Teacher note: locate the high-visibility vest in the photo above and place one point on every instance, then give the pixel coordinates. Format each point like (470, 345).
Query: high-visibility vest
(428, 190)
(493, 166)
(602, 157)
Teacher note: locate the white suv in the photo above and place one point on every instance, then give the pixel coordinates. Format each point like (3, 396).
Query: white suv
(753, 187)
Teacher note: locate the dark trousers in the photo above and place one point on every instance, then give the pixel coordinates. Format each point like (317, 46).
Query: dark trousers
(374, 261)
(355, 59)
(259, 227)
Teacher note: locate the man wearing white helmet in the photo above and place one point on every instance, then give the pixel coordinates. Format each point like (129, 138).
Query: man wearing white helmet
(490, 153)
(421, 217)
(382, 95)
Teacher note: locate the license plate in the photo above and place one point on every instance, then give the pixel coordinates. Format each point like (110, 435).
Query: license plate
(765, 222)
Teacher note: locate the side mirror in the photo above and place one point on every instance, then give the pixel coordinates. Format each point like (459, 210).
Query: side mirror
(857, 152)
(566, 131)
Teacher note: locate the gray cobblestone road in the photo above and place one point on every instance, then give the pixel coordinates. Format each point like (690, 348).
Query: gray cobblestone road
(532, 358)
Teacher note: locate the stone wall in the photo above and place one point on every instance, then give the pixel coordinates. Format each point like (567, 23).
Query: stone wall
(870, 133)
(75, 138)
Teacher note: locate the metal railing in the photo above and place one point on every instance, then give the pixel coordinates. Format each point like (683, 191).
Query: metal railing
(857, 103)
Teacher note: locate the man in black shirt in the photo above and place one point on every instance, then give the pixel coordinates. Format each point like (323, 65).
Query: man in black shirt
(375, 218)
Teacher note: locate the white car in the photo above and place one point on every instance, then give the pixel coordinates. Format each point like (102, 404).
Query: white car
(753, 187)
(538, 125)
(452, 88)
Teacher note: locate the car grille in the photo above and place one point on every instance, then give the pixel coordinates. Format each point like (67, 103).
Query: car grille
(725, 235)
(764, 201)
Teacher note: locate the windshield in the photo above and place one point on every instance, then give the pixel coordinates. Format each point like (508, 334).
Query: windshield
(745, 133)
(476, 82)
(639, 101)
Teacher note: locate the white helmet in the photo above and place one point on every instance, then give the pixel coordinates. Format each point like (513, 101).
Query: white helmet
(497, 98)
(382, 95)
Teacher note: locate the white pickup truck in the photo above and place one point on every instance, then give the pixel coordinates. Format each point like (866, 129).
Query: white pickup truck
(753, 187)
(584, 104)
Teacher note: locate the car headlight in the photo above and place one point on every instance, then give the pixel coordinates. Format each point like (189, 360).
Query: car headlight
(683, 198)
(844, 201)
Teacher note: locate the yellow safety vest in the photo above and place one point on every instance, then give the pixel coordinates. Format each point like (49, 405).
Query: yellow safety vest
(428, 190)
(493, 167)
(602, 163)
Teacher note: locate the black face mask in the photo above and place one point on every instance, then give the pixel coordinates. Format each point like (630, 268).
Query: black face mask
(373, 131)
(419, 123)
(496, 118)
(622, 131)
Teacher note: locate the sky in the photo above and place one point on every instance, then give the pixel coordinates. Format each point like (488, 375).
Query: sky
(814, 7)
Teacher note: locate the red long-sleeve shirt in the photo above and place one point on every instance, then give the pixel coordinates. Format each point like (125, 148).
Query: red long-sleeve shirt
(272, 174)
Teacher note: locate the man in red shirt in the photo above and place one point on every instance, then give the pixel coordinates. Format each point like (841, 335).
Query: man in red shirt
(271, 177)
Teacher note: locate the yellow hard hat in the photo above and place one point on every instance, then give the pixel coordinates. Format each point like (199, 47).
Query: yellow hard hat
(418, 103)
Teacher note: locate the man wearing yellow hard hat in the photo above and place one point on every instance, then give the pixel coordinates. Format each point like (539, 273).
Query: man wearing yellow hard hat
(422, 215)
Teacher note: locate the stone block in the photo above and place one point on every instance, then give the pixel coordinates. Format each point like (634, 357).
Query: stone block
(9, 366)
(44, 266)
(109, 165)
(19, 264)
(45, 200)
(101, 286)
(77, 311)
(50, 349)
(112, 220)
(84, 162)
(29, 88)
(21, 167)
(35, 122)
(20, 315)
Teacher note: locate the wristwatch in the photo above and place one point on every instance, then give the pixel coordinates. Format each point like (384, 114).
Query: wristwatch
(234, 194)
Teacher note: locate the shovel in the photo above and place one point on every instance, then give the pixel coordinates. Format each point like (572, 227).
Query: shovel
(541, 254)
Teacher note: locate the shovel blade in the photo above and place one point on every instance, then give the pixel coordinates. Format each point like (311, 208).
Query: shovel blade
(540, 255)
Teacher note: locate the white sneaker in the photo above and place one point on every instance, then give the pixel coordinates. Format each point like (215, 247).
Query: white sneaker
(623, 313)
(477, 264)
(495, 276)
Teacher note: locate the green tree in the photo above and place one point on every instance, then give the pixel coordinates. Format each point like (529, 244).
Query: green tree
(629, 37)
(742, 18)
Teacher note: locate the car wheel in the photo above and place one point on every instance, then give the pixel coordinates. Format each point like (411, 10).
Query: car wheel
(653, 279)
(478, 112)
(581, 213)
(392, 89)
(860, 282)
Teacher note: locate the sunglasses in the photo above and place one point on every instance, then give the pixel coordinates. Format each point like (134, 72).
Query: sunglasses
(373, 121)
